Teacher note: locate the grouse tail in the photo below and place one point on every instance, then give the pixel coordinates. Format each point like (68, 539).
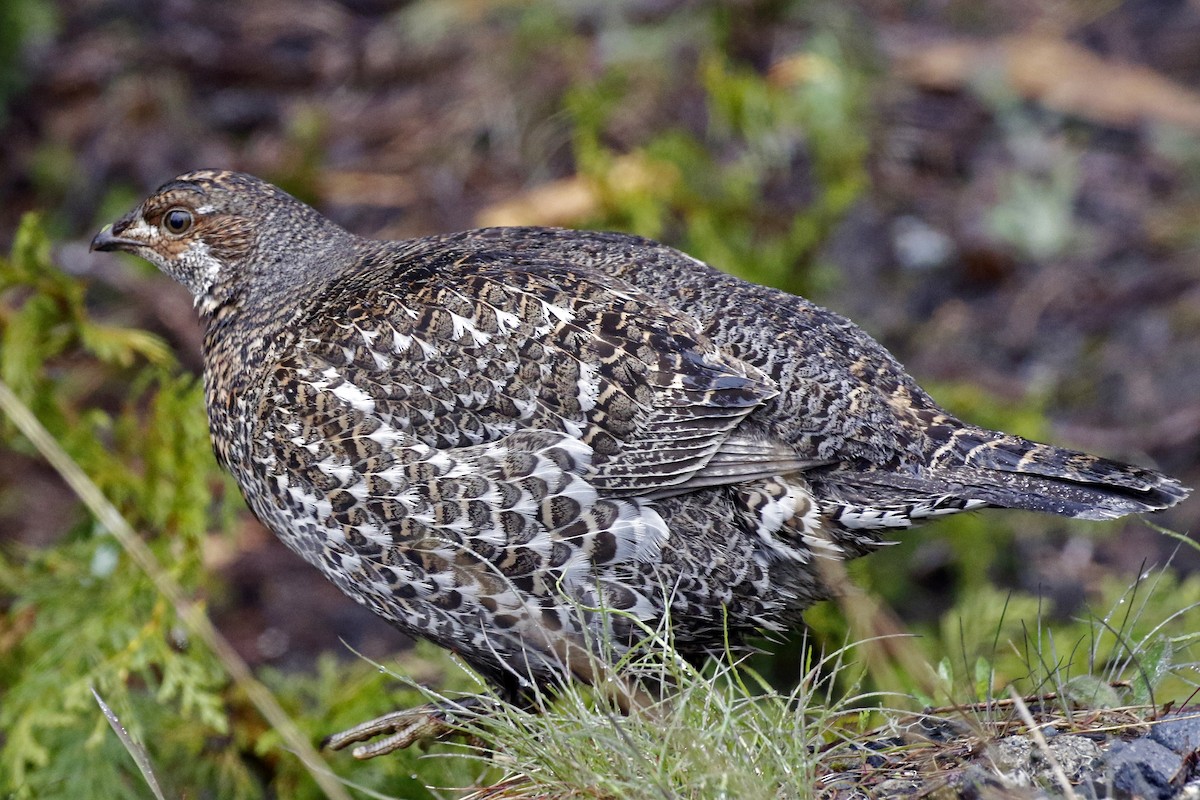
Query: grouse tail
(1011, 472)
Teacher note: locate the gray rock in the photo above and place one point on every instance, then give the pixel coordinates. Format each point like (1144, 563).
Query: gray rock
(1180, 733)
(1143, 768)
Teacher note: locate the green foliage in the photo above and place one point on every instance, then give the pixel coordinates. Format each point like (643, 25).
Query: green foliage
(21, 22)
(45, 318)
(725, 192)
(1142, 651)
(81, 613)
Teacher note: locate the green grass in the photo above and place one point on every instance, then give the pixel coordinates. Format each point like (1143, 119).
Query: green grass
(722, 731)
(715, 735)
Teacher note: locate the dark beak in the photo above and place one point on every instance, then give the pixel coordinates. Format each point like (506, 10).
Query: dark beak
(109, 237)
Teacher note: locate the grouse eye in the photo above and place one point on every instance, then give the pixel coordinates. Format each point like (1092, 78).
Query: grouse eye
(177, 221)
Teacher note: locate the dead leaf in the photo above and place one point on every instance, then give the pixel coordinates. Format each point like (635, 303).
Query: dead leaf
(1060, 75)
(569, 200)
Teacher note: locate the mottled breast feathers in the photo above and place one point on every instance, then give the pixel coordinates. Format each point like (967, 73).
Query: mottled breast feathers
(468, 440)
(449, 348)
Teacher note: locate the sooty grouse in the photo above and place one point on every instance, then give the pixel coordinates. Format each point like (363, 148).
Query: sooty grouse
(481, 436)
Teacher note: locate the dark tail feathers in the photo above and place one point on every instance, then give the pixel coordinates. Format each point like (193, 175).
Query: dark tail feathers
(1012, 472)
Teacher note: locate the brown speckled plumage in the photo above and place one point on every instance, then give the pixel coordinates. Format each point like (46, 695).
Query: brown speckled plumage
(476, 434)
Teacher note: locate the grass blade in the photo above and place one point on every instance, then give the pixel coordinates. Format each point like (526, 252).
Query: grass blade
(136, 750)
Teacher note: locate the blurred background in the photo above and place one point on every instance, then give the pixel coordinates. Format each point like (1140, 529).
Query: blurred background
(1006, 194)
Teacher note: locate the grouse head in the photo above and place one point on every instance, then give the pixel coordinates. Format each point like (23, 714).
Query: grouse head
(230, 237)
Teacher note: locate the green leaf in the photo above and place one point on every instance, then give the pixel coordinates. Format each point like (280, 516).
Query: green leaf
(1153, 664)
(121, 346)
(1091, 692)
(985, 675)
